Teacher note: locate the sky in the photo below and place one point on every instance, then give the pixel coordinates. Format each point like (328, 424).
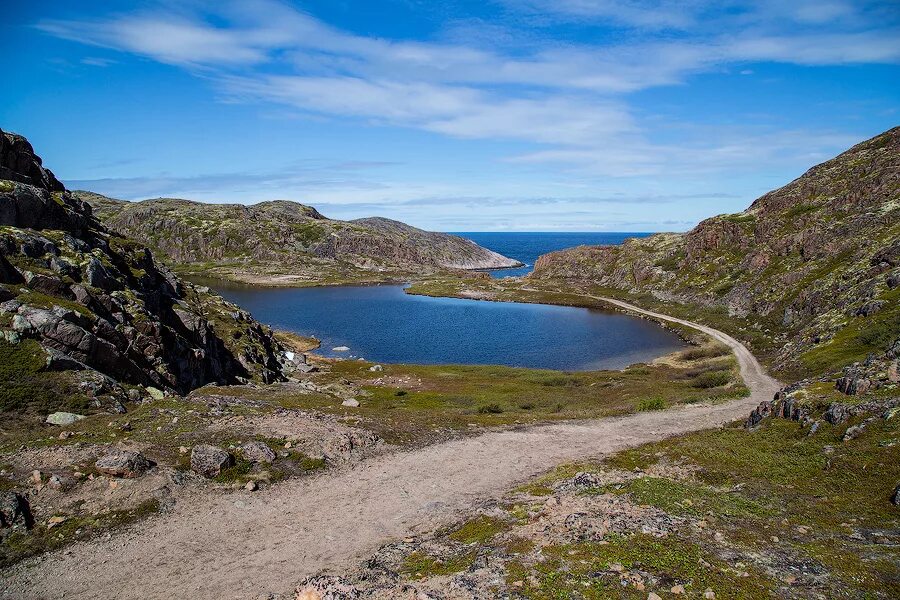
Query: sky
(453, 115)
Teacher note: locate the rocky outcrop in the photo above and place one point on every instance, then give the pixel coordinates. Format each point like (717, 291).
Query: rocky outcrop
(101, 306)
(294, 236)
(801, 264)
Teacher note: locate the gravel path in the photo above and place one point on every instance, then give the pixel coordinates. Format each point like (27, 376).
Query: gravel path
(242, 545)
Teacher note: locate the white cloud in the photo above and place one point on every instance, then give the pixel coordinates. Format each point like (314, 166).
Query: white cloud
(569, 99)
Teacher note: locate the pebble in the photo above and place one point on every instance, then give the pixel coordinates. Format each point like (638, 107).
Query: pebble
(709, 594)
(251, 486)
(36, 477)
(677, 589)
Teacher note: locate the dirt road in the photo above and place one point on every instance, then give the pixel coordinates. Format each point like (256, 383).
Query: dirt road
(242, 545)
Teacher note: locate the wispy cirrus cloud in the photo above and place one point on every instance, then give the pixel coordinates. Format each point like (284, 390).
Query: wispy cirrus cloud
(570, 101)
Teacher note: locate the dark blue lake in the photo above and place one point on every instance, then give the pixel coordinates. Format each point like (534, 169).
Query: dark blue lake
(384, 324)
(527, 246)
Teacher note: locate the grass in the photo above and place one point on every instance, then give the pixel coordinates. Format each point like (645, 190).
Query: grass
(419, 565)
(860, 337)
(42, 538)
(582, 570)
(478, 531)
(25, 387)
(688, 498)
(781, 477)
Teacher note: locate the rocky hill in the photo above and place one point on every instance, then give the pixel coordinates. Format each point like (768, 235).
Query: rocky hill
(285, 242)
(812, 267)
(88, 317)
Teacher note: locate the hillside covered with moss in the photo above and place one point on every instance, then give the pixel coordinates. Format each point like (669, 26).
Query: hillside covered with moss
(811, 270)
(286, 243)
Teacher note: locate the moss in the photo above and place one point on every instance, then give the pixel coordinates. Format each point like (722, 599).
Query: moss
(478, 530)
(859, 338)
(419, 565)
(689, 498)
(25, 387)
(583, 570)
(7, 186)
(40, 300)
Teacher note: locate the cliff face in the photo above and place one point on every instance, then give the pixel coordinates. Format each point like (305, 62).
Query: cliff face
(295, 237)
(91, 304)
(816, 262)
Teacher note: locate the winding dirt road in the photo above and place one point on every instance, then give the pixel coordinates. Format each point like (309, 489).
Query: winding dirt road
(243, 545)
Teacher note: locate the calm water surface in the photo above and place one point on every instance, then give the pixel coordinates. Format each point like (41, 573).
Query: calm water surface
(527, 246)
(384, 324)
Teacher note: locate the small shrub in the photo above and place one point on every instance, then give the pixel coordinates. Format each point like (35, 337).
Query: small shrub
(654, 403)
(527, 405)
(400, 393)
(490, 409)
(712, 379)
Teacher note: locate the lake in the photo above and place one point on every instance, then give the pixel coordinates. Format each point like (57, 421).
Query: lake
(384, 324)
(527, 246)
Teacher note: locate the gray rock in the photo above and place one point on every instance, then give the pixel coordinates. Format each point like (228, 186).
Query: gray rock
(15, 513)
(63, 418)
(257, 452)
(896, 497)
(209, 460)
(837, 413)
(351, 403)
(123, 463)
(893, 280)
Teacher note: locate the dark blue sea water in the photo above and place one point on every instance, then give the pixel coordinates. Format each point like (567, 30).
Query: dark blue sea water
(384, 324)
(527, 246)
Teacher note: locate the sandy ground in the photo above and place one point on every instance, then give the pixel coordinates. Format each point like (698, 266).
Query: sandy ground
(243, 545)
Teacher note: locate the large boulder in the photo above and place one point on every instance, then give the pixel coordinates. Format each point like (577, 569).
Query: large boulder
(63, 418)
(15, 513)
(123, 463)
(210, 461)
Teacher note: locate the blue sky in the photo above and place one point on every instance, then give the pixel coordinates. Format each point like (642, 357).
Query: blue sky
(537, 115)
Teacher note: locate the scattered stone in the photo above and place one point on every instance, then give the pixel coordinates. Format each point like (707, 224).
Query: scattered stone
(351, 403)
(652, 596)
(677, 589)
(855, 431)
(210, 461)
(64, 435)
(251, 486)
(155, 393)
(376, 368)
(55, 482)
(709, 594)
(308, 593)
(63, 418)
(896, 497)
(123, 463)
(36, 477)
(258, 452)
(15, 513)
(54, 521)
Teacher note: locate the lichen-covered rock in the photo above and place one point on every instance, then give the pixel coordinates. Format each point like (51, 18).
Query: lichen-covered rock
(258, 452)
(123, 463)
(63, 418)
(210, 461)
